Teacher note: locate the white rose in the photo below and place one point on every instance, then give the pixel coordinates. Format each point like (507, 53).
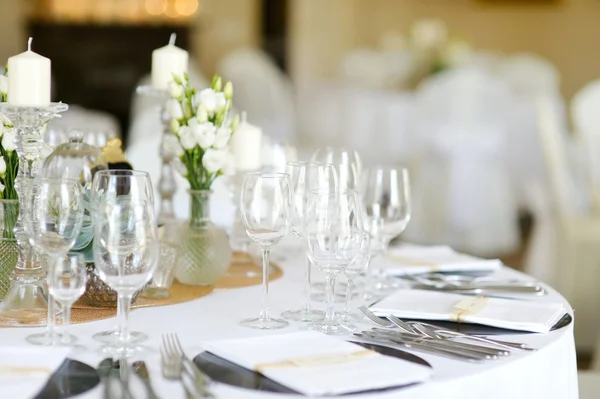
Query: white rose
(429, 33)
(1, 188)
(174, 109)
(9, 140)
(212, 100)
(186, 137)
(180, 167)
(2, 166)
(175, 90)
(3, 84)
(204, 133)
(222, 137)
(213, 160)
(5, 121)
(172, 146)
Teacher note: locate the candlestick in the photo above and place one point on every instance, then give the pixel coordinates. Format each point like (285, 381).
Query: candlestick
(245, 146)
(29, 79)
(167, 185)
(166, 61)
(26, 304)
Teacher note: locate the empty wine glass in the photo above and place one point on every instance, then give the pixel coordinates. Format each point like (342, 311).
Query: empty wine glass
(265, 206)
(355, 269)
(306, 177)
(125, 241)
(347, 164)
(386, 199)
(332, 236)
(54, 216)
(66, 283)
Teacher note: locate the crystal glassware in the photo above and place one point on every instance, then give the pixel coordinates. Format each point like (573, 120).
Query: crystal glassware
(385, 194)
(306, 177)
(355, 269)
(26, 303)
(55, 214)
(126, 240)
(332, 235)
(66, 283)
(265, 206)
(347, 164)
(163, 276)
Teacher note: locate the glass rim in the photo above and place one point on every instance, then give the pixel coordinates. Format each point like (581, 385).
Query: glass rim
(115, 172)
(337, 191)
(309, 163)
(41, 179)
(268, 175)
(384, 166)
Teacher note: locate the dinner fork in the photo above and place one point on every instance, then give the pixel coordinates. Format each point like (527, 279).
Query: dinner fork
(173, 362)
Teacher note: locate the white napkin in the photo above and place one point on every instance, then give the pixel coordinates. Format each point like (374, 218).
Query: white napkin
(25, 370)
(415, 259)
(496, 312)
(312, 374)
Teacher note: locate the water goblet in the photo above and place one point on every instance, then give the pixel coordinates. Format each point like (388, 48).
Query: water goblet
(306, 177)
(54, 215)
(125, 240)
(385, 193)
(332, 235)
(66, 283)
(347, 164)
(265, 207)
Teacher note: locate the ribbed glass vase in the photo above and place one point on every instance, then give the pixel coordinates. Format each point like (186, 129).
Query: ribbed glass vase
(204, 253)
(9, 253)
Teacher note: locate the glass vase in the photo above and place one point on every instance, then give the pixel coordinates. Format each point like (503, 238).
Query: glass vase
(9, 250)
(204, 253)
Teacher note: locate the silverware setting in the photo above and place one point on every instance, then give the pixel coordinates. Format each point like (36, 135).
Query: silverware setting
(473, 285)
(421, 336)
(141, 371)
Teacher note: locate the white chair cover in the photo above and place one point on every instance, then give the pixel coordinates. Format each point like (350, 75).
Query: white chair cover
(263, 91)
(463, 193)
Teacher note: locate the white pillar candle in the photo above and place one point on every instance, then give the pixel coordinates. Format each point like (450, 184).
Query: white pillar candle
(167, 61)
(245, 146)
(29, 79)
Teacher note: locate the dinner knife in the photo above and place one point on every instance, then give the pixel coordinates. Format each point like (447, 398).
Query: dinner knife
(485, 289)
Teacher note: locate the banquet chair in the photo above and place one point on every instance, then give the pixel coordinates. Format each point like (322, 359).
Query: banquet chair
(463, 196)
(263, 91)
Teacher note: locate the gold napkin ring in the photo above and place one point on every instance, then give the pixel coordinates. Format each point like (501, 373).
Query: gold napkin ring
(468, 306)
(318, 360)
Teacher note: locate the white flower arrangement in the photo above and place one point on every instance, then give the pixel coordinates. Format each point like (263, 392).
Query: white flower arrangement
(202, 130)
(9, 160)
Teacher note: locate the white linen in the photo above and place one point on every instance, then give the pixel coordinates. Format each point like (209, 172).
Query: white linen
(415, 259)
(24, 370)
(318, 378)
(551, 372)
(496, 312)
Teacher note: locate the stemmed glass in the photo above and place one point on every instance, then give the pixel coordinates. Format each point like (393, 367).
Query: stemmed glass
(356, 268)
(332, 234)
(347, 164)
(66, 283)
(54, 211)
(306, 177)
(386, 199)
(126, 240)
(265, 208)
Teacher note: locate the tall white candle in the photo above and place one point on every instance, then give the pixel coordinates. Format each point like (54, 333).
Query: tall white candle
(29, 79)
(167, 61)
(246, 145)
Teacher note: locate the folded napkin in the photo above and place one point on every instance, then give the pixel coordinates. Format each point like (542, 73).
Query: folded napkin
(496, 312)
(25, 370)
(316, 364)
(415, 259)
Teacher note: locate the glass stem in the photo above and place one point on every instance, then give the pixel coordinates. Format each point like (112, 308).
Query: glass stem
(307, 287)
(51, 315)
(349, 289)
(264, 314)
(66, 321)
(125, 303)
(330, 290)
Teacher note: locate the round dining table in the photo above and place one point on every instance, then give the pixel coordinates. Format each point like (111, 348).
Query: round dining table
(549, 372)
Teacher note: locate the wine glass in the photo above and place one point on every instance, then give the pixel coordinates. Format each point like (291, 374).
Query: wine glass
(347, 164)
(125, 241)
(66, 283)
(265, 206)
(386, 199)
(355, 269)
(54, 211)
(332, 236)
(306, 177)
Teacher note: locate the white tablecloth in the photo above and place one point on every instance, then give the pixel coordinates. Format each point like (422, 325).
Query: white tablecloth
(551, 372)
